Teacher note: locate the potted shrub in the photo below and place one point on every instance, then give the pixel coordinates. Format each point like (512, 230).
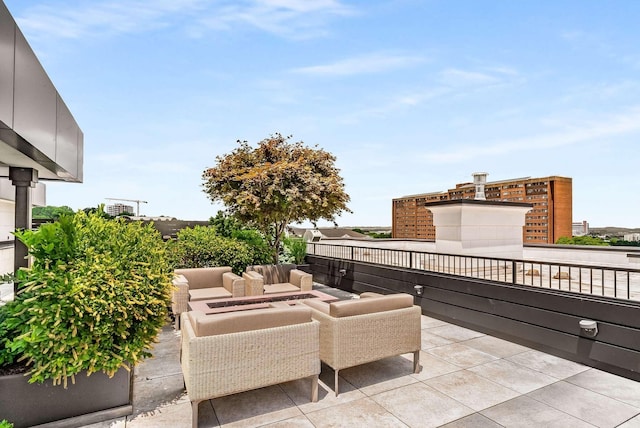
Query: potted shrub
(91, 304)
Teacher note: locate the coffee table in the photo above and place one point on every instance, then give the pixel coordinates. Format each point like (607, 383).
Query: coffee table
(215, 306)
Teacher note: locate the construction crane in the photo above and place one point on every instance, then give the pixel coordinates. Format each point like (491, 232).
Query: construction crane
(137, 201)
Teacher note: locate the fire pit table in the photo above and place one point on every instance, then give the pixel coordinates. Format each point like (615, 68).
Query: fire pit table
(215, 306)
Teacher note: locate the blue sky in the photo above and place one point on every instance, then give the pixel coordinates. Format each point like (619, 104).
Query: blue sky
(410, 96)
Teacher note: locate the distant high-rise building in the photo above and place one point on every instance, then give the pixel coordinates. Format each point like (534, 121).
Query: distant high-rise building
(580, 228)
(117, 209)
(549, 219)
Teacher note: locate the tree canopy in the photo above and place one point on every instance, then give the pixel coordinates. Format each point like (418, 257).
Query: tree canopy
(277, 183)
(581, 240)
(50, 212)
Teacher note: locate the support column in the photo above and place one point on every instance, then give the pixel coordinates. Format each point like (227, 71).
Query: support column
(23, 179)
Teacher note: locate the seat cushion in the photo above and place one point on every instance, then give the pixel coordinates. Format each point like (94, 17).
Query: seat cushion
(283, 287)
(235, 322)
(209, 293)
(204, 277)
(347, 308)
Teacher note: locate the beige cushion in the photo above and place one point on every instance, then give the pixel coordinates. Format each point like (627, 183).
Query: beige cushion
(347, 308)
(228, 279)
(234, 322)
(180, 279)
(370, 294)
(318, 305)
(280, 288)
(273, 274)
(204, 277)
(208, 293)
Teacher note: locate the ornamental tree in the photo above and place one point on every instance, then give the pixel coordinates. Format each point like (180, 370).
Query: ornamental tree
(277, 183)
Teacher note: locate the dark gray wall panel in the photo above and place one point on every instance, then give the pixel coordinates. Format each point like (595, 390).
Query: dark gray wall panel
(35, 101)
(7, 42)
(66, 139)
(80, 148)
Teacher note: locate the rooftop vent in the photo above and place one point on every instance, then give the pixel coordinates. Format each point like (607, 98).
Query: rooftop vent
(480, 179)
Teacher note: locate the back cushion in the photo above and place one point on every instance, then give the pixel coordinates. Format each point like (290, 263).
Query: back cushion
(234, 322)
(204, 277)
(273, 274)
(347, 308)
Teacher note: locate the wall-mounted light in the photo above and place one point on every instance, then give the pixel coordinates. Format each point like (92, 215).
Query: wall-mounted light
(589, 327)
(419, 289)
(342, 272)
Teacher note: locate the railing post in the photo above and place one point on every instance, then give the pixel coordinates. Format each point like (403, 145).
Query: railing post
(352, 259)
(513, 271)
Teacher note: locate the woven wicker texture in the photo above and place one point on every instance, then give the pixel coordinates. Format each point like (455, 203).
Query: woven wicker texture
(180, 298)
(225, 364)
(351, 341)
(205, 278)
(254, 284)
(258, 276)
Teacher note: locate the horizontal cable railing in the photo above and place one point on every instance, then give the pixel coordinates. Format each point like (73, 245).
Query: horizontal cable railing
(614, 282)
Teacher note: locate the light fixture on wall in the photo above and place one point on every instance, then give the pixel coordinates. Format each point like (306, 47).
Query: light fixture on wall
(589, 328)
(419, 289)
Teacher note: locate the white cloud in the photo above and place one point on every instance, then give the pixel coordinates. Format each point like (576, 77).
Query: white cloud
(447, 83)
(95, 19)
(298, 19)
(101, 18)
(372, 63)
(572, 134)
(456, 77)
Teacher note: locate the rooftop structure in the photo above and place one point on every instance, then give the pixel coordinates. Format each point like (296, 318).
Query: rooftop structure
(549, 219)
(39, 138)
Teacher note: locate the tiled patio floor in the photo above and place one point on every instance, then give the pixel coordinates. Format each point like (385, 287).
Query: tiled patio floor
(468, 379)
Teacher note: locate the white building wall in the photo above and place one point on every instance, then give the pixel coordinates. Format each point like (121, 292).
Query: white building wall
(632, 237)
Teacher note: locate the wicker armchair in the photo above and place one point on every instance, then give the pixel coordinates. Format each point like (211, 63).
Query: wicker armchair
(228, 353)
(202, 284)
(283, 278)
(354, 332)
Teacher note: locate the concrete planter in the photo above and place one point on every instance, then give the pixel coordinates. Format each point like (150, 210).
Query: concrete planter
(91, 399)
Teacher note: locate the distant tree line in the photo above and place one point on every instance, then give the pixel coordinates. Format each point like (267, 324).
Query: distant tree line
(595, 240)
(376, 235)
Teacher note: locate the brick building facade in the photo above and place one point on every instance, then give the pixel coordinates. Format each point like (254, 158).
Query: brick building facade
(549, 219)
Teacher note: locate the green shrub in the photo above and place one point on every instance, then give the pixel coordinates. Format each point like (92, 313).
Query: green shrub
(260, 250)
(202, 247)
(295, 250)
(94, 298)
(5, 424)
(229, 227)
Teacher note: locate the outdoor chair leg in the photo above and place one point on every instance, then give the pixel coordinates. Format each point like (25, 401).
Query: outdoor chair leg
(314, 388)
(194, 414)
(416, 362)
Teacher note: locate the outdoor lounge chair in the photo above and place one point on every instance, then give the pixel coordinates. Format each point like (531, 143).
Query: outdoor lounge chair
(203, 284)
(283, 278)
(354, 332)
(224, 354)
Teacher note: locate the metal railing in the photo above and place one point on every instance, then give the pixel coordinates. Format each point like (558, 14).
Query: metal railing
(613, 282)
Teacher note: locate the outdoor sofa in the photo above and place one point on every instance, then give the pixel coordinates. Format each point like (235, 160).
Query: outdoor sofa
(227, 353)
(203, 284)
(375, 326)
(282, 278)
